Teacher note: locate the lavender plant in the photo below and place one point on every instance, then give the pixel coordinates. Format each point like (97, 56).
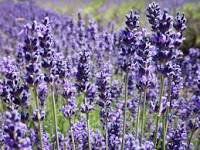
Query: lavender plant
(74, 84)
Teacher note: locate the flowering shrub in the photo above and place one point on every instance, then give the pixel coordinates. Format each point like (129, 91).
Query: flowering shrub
(74, 85)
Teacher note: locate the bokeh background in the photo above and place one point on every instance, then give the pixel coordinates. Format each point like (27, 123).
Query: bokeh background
(113, 12)
(106, 10)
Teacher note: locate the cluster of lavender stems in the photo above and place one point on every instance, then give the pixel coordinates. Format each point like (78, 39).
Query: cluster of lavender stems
(59, 72)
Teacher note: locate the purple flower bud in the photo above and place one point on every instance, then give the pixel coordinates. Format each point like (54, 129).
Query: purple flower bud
(132, 20)
(180, 22)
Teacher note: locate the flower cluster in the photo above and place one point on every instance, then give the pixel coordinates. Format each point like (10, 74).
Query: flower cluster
(15, 132)
(74, 84)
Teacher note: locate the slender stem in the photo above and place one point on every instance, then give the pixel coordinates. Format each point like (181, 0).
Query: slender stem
(106, 127)
(88, 125)
(164, 132)
(160, 107)
(72, 134)
(40, 127)
(106, 130)
(138, 117)
(55, 116)
(143, 113)
(165, 123)
(190, 139)
(1, 106)
(124, 112)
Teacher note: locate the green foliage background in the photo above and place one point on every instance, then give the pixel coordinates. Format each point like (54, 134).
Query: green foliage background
(192, 12)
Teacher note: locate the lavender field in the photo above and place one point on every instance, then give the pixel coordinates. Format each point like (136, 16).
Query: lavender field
(77, 78)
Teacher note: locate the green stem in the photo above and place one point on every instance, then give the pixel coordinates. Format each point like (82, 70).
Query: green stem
(143, 113)
(55, 116)
(138, 117)
(165, 123)
(164, 132)
(106, 130)
(190, 139)
(72, 134)
(88, 125)
(160, 107)
(124, 112)
(40, 127)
